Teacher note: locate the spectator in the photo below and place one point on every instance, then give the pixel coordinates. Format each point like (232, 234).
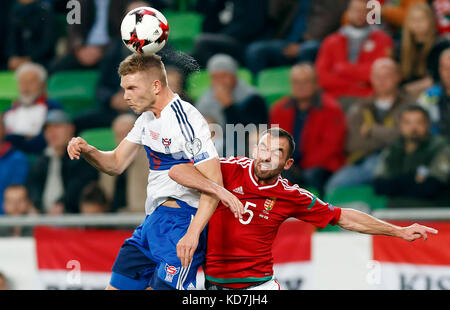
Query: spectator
(417, 164)
(436, 99)
(418, 38)
(25, 119)
(31, 34)
(372, 125)
(127, 191)
(312, 21)
(3, 282)
(177, 82)
(55, 182)
(441, 10)
(318, 125)
(13, 165)
(93, 200)
(233, 24)
(230, 100)
(17, 203)
(394, 12)
(88, 40)
(345, 57)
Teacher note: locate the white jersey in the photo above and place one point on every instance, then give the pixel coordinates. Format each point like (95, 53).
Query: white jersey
(179, 135)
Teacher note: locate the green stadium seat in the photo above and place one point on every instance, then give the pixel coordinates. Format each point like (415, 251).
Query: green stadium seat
(198, 82)
(75, 90)
(363, 196)
(8, 89)
(101, 138)
(183, 28)
(273, 83)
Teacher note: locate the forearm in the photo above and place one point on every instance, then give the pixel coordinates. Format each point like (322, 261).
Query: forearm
(361, 222)
(102, 161)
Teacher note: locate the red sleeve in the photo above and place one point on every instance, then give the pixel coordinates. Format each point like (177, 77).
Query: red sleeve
(229, 167)
(311, 209)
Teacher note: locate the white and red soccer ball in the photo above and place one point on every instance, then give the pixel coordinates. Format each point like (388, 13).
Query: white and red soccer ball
(144, 30)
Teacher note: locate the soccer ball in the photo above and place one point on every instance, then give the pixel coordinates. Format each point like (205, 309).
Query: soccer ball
(144, 30)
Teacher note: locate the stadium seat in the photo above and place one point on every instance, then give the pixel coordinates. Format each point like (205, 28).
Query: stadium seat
(75, 89)
(358, 196)
(197, 83)
(101, 138)
(183, 28)
(8, 89)
(273, 83)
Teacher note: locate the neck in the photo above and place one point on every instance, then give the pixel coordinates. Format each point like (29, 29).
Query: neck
(387, 96)
(410, 146)
(59, 151)
(163, 99)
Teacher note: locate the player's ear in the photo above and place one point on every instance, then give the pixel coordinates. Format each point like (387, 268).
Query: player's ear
(288, 164)
(156, 86)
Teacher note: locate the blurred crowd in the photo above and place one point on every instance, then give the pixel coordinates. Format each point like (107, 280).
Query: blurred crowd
(369, 103)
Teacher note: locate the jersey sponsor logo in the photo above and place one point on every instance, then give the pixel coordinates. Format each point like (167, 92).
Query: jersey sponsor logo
(154, 135)
(239, 190)
(194, 146)
(171, 271)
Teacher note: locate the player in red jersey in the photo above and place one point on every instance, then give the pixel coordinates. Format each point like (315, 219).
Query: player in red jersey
(239, 250)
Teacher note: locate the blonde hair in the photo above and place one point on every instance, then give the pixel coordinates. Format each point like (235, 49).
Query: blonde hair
(409, 53)
(144, 63)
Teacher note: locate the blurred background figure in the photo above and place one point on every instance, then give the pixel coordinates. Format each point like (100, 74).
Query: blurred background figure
(93, 200)
(417, 40)
(300, 26)
(55, 182)
(17, 203)
(436, 99)
(127, 191)
(31, 34)
(416, 165)
(230, 100)
(177, 82)
(345, 57)
(25, 119)
(88, 40)
(318, 126)
(372, 125)
(13, 165)
(229, 26)
(4, 285)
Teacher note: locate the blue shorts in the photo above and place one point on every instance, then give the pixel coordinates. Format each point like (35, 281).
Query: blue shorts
(149, 258)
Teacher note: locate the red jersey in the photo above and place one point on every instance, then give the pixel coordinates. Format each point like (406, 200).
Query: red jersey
(240, 251)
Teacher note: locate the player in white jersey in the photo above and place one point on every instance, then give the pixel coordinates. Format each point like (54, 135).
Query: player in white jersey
(166, 250)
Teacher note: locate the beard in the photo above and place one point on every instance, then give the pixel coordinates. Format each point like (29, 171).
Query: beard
(267, 172)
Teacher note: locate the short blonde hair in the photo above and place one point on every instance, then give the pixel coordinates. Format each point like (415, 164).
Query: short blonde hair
(142, 63)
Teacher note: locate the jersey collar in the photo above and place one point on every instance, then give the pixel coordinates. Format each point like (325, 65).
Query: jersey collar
(250, 172)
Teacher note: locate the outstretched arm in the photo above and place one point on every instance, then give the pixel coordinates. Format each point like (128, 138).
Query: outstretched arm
(361, 222)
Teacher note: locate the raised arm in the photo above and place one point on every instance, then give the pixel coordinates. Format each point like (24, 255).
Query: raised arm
(361, 222)
(112, 162)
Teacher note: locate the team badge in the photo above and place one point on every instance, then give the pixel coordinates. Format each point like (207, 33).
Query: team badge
(166, 142)
(269, 203)
(171, 271)
(194, 146)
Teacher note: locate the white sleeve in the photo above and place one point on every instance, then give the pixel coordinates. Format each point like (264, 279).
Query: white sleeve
(135, 135)
(198, 146)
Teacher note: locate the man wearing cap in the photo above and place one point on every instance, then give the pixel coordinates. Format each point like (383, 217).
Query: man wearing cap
(229, 100)
(51, 183)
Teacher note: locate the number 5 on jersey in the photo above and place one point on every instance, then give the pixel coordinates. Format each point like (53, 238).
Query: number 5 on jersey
(250, 212)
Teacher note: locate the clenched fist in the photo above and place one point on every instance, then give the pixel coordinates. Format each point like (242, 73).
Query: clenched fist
(76, 147)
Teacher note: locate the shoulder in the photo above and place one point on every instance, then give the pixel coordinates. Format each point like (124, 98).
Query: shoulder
(380, 34)
(333, 38)
(293, 189)
(241, 161)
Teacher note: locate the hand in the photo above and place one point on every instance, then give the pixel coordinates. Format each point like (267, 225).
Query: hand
(118, 103)
(76, 147)
(416, 231)
(291, 50)
(224, 95)
(186, 247)
(365, 129)
(89, 55)
(15, 62)
(231, 201)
